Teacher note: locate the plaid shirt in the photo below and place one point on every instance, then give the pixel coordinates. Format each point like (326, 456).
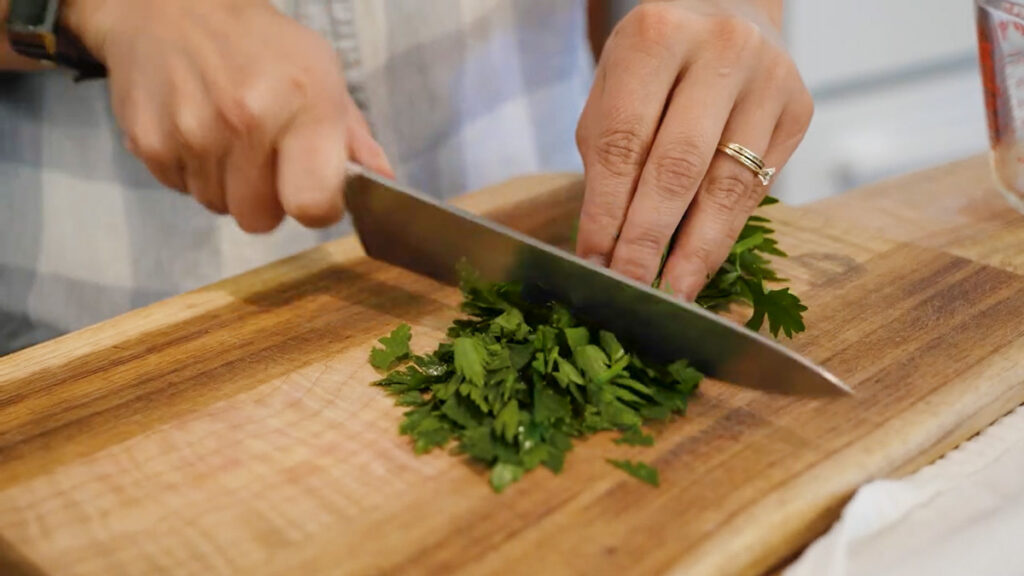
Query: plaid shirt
(460, 93)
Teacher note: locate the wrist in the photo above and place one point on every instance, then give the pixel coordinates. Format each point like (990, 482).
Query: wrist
(85, 20)
(770, 9)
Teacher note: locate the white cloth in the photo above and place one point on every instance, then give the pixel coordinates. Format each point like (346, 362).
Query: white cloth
(962, 515)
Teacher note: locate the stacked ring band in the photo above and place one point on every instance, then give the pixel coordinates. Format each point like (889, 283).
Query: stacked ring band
(745, 156)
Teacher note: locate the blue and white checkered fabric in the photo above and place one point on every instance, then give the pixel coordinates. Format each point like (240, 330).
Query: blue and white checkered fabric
(461, 94)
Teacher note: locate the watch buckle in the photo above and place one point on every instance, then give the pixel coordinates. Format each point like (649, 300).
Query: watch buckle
(33, 42)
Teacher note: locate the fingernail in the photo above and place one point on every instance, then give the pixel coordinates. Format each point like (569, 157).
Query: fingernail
(597, 260)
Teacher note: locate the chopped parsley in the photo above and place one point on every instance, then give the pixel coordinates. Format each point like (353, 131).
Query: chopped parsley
(516, 381)
(638, 470)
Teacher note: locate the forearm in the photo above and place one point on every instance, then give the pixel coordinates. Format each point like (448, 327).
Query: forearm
(9, 60)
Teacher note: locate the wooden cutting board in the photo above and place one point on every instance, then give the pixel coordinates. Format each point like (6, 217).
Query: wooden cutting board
(232, 430)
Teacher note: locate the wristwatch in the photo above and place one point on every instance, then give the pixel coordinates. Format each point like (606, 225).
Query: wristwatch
(34, 30)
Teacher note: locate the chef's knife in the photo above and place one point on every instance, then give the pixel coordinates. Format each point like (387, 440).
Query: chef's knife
(411, 230)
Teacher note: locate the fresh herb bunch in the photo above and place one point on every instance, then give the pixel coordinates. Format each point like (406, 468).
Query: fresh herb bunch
(516, 381)
(743, 276)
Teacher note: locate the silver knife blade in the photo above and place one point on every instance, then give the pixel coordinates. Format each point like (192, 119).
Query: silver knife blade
(414, 231)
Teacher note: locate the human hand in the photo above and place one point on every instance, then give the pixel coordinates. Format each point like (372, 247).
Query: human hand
(676, 79)
(232, 102)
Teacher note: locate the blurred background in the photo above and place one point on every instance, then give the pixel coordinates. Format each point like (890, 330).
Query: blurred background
(896, 87)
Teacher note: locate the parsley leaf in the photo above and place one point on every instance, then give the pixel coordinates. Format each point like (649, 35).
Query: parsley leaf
(610, 345)
(745, 244)
(460, 411)
(504, 474)
(477, 443)
(549, 405)
(592, 361)
(782, 308)
(638, 470)
(410, 398)
(686, 376)
(396, 348)
(742, 277)
(635, 437)
(469, 359)
(507, 422)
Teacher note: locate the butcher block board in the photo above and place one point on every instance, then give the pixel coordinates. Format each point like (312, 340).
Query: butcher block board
(233, 429)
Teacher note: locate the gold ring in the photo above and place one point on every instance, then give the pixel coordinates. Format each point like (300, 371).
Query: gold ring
(744, 156)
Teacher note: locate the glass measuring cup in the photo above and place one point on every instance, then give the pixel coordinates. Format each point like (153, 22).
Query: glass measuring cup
(1001, 53)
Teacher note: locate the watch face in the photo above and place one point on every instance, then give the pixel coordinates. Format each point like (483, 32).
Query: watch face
(41, 14)
(31, 28)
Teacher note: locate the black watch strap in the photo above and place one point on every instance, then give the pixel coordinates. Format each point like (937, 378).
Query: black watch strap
(33, 30)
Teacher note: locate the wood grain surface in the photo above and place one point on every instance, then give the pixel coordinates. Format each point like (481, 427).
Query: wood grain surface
(953, 208)
(232, 430)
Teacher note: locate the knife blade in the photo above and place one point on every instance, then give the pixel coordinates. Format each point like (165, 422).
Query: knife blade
(414, 231)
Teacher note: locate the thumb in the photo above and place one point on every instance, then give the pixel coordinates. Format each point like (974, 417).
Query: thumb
(364, 149)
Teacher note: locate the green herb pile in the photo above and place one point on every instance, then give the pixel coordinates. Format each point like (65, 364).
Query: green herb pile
(516, 381)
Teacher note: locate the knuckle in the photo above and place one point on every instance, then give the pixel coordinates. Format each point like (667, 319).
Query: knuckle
(778, 75)
(733, 40)
(240, 112)
(313, 211)
(645, 242)
(621, 149)
(151, 147)
(581, 138)
(734, 32)
(702, 255)
(679, 168)
(728, 192)
(651, 24)
(599, 225)
(194, 136)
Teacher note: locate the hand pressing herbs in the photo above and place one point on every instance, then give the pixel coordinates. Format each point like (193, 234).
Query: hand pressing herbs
(743, 276)
(515, 382)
